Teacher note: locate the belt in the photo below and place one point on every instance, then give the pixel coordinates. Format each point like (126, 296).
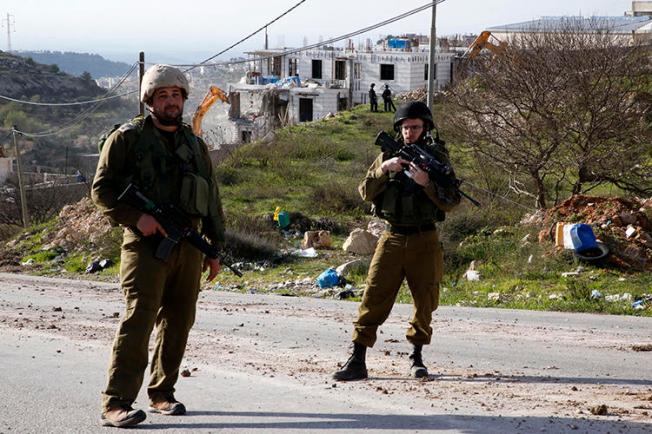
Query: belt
(409, 230)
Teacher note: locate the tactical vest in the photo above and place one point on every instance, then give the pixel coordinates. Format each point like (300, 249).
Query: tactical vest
(157, 170)
(405, 203)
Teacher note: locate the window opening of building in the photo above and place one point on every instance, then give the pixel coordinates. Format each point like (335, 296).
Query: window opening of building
(386, 72)
(246, 136)
(292, 67)
(305, 109)
(316, 68)
(276, 67)
(340, 70)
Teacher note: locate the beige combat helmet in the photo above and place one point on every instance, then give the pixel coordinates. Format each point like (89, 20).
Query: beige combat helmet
(162, 76)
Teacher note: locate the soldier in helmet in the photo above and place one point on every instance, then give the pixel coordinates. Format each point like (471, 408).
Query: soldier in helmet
(411, 203)
(387, 99)
(170, 165)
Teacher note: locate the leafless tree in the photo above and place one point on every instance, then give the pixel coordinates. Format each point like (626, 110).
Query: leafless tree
(560, 110)
(44, 201)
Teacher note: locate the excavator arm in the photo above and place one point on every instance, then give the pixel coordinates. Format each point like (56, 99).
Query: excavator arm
(482, 42)
(214, 93)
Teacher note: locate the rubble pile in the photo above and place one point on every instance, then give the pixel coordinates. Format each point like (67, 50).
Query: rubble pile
(78, 224)
(624, 224)
(413, 95)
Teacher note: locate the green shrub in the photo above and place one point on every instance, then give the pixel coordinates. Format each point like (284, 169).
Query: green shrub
(228, 175)
(251, 246)
(338, 197)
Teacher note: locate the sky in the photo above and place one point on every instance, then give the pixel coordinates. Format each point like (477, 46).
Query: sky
(192, 30)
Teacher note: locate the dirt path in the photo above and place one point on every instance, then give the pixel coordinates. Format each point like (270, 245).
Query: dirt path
(504, 371)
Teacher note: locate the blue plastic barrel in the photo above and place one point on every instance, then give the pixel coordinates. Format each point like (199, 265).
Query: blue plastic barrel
(582, 237)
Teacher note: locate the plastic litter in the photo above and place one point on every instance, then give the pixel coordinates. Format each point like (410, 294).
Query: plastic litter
(347, 293)
(639, 305)
(282, 218)
(596, 295)
(472, 275)
(328, 278)
(305, 253)
(581, 237)
(99, 265)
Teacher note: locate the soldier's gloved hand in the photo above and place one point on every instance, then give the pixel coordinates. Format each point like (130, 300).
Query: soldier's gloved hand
(147, 225)
(418, 175)
(393, 165)
(213, 265)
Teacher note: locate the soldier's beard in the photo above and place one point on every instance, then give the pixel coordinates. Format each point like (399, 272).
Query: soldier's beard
(170, 116)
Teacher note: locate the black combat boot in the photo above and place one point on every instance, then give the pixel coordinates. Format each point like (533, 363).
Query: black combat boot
(418, 369)
(354, 368)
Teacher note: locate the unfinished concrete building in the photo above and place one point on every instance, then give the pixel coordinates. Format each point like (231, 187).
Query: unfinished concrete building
(641, 8)
(632, 28)
(285, 88)
(400, 64)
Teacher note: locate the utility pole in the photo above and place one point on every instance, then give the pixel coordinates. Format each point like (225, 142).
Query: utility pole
(65, 166)
(8, 23)
(21, 187)
(349, 103)
(432, 72)
(141, 72)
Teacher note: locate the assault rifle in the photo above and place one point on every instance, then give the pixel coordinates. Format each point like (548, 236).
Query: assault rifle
(439, 172)
(177, 226)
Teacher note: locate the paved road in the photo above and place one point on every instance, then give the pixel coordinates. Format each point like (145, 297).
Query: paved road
(262, 364)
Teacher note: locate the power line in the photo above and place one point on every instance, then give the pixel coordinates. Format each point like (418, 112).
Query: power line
(84, 114)
(247, 37)
(399, 17)
(102, 98)
(328, 42)
(62, 104)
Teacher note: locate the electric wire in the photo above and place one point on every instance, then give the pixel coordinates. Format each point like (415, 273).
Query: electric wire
(100, 101)
(61, 104)
(321, 44)
(102, 98)
(246, 37)
(84, 114)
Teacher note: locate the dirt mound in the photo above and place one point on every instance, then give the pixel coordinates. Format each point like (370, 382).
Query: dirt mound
(78, 224)
(624, 224)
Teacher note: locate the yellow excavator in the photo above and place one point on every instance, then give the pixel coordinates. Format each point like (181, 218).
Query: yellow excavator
(214, 93)
(484, 42)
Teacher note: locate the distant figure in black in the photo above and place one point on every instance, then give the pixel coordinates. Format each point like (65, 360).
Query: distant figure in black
(387, 99)
(373, 99)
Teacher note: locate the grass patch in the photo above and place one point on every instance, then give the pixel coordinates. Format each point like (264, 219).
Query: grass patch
(312, 170)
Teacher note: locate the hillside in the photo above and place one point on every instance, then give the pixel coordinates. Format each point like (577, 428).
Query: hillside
(23, 78)
(27, 80)
(78, 63)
